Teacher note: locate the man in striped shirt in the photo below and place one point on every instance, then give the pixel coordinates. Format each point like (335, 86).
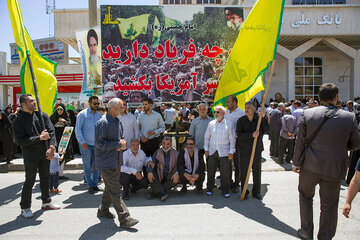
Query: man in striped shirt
(219, 146)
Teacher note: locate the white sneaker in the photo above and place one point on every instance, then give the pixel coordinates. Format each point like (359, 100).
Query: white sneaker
(50, 206)
(27, 213)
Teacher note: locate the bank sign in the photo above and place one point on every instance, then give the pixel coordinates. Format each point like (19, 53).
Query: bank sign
(49, 48)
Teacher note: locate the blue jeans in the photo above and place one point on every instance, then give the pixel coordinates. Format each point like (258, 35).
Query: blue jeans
(88, 157)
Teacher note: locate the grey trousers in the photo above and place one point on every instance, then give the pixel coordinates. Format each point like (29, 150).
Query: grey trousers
(329, 201)
(112, 193)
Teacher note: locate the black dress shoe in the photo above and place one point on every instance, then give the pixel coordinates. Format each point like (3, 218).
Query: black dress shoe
(183, 189)
(257, 196)
(97, 188)
(91, 190)
(63, 178)
(151, 195)
(236, 189)
(303, 234)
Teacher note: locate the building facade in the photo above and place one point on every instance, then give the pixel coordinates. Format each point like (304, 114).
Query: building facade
(319, 42)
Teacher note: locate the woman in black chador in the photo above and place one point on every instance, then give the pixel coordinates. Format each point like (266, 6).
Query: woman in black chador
(60, 120)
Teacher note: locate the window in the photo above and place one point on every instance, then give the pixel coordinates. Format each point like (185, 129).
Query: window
(314, 2)
(308, 77)
(165, 2)
(208, 1)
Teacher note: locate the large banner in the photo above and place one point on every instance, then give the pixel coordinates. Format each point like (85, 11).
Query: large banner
(89, 43)
(167, 53)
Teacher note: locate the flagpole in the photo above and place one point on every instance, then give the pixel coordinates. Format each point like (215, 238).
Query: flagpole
(257, 129)
(31, 70)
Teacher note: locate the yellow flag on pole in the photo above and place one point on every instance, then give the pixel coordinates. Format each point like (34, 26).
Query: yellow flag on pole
(132, 27)
(44, 69)
(253, 52)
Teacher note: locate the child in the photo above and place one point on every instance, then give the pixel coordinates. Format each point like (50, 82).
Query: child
(54, 172)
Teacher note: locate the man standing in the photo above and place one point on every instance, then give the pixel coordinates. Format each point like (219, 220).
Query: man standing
(109, 144)
(31, 137)
(151, 125)
(354, 188)
(246, 132)
(169, 116)
(297, 112)
(129, 124)
(191, 166)
(134, 159)
(85, 134)
(274, 129)
(232, 115)
(198, 127)
(287, 136)
(163, 175)
(219, 145)
(325, 161)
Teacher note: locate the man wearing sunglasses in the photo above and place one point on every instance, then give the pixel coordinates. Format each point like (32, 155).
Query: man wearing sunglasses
(85, 134)
(219, 146)
(191, 166)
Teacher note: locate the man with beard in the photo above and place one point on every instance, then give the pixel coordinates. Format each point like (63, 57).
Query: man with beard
(94, 60)
(85, 134)
(219, 146)
(164, 175)
(30, 135)
(246, 132)
(191, 166)
(109, 144)
(151, 125)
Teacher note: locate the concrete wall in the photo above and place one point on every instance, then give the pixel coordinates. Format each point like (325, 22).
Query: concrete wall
(61, 69)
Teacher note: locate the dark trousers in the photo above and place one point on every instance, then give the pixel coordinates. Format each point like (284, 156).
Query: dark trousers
(136, 184)
(354, 157)
(54, 180)
(274, 144)
(112, 193)
(150, 146)
(161, 187)
(198, 182)
(31, 167)
(202, 153)
(236, 163)
(329, 201)
(213, 162)
(256, 171)
(283, 145)
(167, 126)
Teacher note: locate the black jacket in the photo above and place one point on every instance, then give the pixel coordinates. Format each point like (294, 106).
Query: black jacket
(27, 130)
(244, 132)
(181, 164)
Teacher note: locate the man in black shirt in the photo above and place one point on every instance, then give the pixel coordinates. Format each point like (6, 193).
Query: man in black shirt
(30, 136)
(246, 132)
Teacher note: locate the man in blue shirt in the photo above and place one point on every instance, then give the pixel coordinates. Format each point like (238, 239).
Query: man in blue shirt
(109, 144)
(85, 134)
(169, 115)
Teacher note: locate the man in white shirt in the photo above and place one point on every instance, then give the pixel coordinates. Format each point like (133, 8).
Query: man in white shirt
(169, 114)
(232, 115)
(219, 146)
(134, 159)
(130, 126)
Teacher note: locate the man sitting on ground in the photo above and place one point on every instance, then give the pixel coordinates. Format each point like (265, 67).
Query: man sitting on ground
(133, 161)
(163, 176)
(191, 166)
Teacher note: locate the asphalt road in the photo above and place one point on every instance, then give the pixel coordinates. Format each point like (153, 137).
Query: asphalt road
(188, 216)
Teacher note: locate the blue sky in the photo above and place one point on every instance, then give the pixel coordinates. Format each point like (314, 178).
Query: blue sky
(37, 21)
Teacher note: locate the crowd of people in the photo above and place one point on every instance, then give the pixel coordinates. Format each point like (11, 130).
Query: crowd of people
(133, 151)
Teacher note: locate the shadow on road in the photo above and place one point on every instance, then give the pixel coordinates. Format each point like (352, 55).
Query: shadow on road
(20, 222)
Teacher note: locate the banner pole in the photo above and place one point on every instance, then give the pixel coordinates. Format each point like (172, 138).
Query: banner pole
(257, 129)
(31, 71)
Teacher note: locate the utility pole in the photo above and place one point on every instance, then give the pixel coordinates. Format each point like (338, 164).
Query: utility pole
(92, 13)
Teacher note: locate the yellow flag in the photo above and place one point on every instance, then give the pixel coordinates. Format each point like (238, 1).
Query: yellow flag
(156, 34)
(132, 27)
(44, 69)
(253, 52)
